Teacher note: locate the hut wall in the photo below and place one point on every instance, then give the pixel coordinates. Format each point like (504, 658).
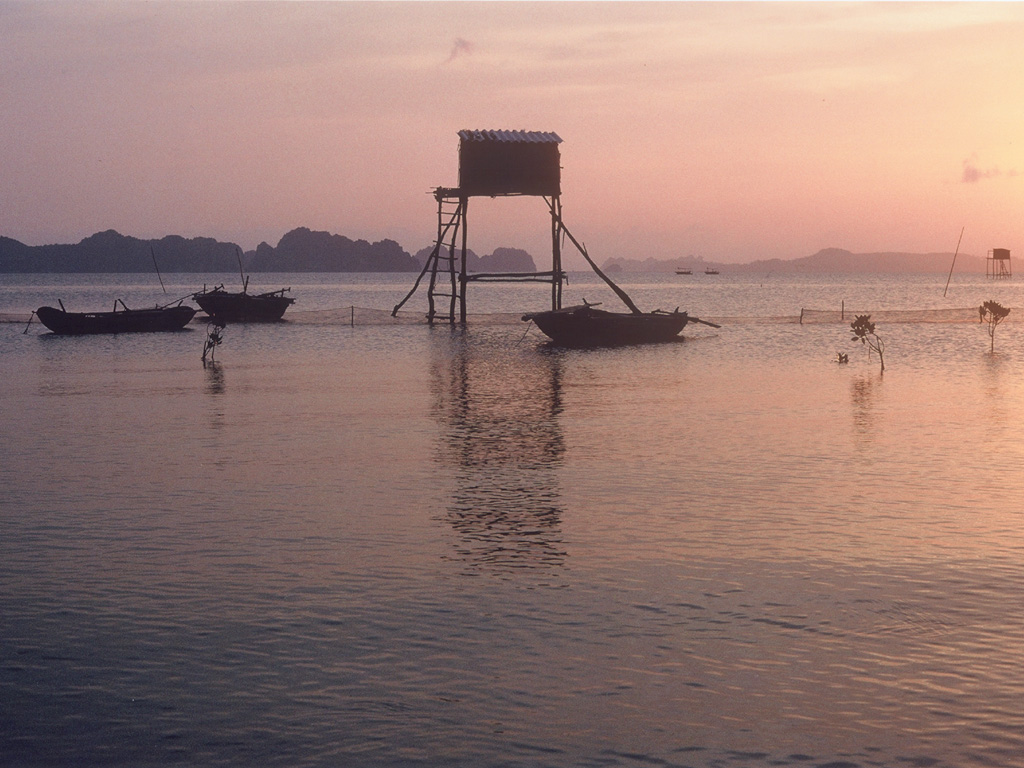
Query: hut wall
(494, 168)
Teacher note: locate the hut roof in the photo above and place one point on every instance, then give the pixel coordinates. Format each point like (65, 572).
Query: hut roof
(512, 137)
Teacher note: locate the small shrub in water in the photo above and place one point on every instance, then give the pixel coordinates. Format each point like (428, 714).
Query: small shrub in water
(993, 313)
(214, 338)
(864, 332)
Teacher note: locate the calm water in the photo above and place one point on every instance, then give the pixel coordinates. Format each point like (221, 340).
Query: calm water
(394, 546)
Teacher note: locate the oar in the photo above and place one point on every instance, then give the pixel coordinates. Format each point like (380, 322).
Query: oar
(704, 322)
(175, 301)
(29, 321)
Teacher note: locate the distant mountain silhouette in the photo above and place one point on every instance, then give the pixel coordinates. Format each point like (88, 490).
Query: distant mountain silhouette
(828, 260)
(303, 250)
(112, 252)
(502, 260)
(837, 260)
(506, 260)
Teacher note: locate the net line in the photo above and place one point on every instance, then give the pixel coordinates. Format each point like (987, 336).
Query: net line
(953, 315)
(363, 316)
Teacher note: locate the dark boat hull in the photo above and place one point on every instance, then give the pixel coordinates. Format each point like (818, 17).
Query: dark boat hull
(124, 321)
(226, 307)
(589, 327)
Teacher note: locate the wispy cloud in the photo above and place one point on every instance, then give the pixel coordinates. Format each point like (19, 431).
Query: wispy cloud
(460, 47)
(973, 174)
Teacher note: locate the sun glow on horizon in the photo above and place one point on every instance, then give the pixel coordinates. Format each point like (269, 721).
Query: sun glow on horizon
(739, 131)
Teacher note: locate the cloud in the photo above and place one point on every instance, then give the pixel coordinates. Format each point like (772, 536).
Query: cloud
(973, 174)
(460, 47)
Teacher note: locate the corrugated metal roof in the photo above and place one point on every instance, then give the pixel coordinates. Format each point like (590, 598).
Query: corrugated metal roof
(514, 137)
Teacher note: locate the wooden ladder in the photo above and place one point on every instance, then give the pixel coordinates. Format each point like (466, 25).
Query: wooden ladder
(445, 267)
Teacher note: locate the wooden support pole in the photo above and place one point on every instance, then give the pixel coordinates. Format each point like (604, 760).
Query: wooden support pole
(453, 292)
(464, 204)
(556, 254)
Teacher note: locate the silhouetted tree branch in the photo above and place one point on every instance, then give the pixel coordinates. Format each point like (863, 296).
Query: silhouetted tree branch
(993, 313)
(864, 332)
(214, 338)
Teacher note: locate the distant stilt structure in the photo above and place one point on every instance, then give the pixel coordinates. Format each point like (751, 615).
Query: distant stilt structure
(491, 164)
(997, 265)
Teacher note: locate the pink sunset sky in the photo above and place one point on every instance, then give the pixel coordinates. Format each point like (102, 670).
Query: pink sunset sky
(732, 131)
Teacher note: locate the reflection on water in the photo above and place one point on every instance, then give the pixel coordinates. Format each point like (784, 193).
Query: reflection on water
(862, 395)
(497, 411)
(994, 381)
(214, 377)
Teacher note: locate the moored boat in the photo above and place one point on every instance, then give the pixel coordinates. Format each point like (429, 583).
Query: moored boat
(122, 320)
(585, 326)
(244, 307)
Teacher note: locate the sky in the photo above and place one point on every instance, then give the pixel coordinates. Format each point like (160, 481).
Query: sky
(730, 131)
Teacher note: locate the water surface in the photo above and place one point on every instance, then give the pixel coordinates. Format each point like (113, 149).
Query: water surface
(379, 545)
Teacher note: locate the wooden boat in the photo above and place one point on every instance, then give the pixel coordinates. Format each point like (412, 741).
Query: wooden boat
(684, 271)
(122, 320)
(585, 326)
(244, 307)
(710, 271)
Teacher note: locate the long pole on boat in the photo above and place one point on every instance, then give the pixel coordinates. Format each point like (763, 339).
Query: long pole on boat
(954, 261)
(245, 283)
(618, 291)
(159, 277)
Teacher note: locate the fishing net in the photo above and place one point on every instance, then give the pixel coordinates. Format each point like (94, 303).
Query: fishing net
(360, 316)
(955, 315)
(351, 316)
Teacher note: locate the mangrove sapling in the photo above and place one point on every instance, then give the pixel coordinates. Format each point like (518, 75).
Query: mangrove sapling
(214, 338)
(993, 313)
(864, 332)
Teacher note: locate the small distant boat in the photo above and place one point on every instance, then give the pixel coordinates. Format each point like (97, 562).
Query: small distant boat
(228, 307)
(684, 271)
(122, 320)
(585, 326)
(710, 271)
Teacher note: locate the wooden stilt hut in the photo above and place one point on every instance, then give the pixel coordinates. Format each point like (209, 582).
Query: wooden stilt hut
(997, 265)
(491, 164)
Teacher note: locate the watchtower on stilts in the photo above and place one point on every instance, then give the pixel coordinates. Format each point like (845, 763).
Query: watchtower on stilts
(997, 264)
(491, 164)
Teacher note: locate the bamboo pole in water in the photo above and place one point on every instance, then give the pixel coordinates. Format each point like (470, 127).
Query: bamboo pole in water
(954, 261)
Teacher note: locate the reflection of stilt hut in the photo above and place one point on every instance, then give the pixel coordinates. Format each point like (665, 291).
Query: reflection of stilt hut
(501, 444)
(998, 263)
(491, 164)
